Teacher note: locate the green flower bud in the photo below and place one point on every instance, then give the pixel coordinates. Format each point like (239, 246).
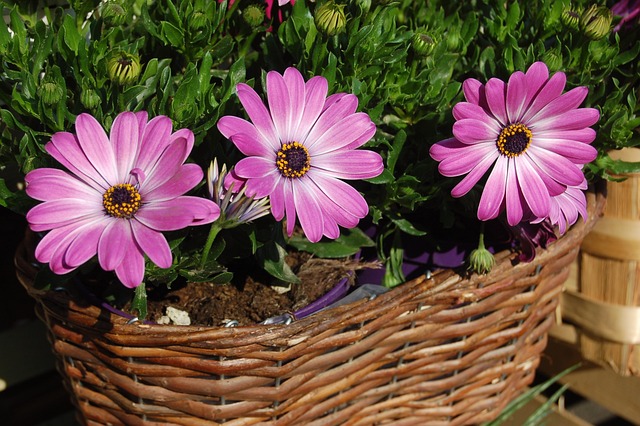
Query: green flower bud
(553, 59)
(90, 99)
(253, 15)
(422, 44)
(114, 13)
(330, 18)
(198, 21)
(481, 260)
(596, 22)
(123, 68)
(50, 92)
(570, 18)
(453, 39)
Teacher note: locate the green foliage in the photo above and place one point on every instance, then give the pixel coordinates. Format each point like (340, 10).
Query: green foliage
(193, 54)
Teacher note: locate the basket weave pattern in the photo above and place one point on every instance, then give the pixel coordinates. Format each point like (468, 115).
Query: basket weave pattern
(445, 350)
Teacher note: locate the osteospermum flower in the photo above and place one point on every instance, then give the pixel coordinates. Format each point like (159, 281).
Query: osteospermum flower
(565, 208)
(527, 135)
(120, 192)
(235, 207)
(300, 148)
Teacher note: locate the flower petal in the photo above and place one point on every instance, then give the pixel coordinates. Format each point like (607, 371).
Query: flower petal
(187, 177)
(533, 188)
(308, 209)
(255, 167)
(315, 93)
(473, 91)
(124, 135)
(259, 115)
(574, 151)
(152, 243)
(566, 102)
(85, 244)
(495, 92)
(550, 91)
(342, 134)
(164, 216)
(469, 181)
(53, 184)
(494, 191)
(244, 135)
(96, 146)
(57, 213)
(466, 158)
(250, 146)
(154, 141)
(516, 97)
(337, 111)
(111, 247)
(557, 166)
(471, 131)
(360, 164)
(337, 197)
(130, 272)
(535, 77)
(169, 163)
(65, 148)
(297, 96)
(572, 120)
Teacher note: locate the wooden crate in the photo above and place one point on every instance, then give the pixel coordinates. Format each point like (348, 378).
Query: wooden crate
(602, 299)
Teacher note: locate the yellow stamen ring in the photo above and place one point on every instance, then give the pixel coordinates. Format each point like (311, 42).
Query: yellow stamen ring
(514, 140)
(121, 201)
(293, 160)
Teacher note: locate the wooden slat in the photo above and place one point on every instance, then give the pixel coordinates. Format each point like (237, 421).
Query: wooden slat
(616, 393)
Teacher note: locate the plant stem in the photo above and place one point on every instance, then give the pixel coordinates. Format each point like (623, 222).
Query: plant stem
(213, 232)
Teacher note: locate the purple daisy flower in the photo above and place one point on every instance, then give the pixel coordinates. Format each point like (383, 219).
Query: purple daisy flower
(531, 136)
(120, 192)
(566, 207)
(300, 148)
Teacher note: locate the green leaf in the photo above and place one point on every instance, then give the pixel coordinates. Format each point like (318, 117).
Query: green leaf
(271, 258)
(347, 244)
(5, 37)
(70, 34)
(171, 34)
(406, 226)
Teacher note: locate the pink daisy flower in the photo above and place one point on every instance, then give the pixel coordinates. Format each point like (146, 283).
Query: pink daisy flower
(566, 207)
(298, 150)
(527, 135)
(120, 192)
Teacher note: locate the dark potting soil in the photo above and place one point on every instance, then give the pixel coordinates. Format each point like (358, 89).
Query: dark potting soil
(253, 301)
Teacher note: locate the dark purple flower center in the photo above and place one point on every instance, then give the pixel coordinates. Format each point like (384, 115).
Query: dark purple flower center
(122, 200)
(293, 160)
(514, 140)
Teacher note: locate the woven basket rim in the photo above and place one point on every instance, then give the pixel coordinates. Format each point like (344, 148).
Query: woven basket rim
(506, 265)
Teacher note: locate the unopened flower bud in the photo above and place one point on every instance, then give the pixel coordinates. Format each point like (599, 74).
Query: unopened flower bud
(330, 18)
(481, 260)
(422, 44)
(114, 13)
(570, 18)
(253, 15)
(90, 99)
(596, 22)
(553, 59)
(50, 92)
(124, 68)
(198, 21)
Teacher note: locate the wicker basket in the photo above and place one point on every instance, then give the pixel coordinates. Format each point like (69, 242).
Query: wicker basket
(443, 350)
